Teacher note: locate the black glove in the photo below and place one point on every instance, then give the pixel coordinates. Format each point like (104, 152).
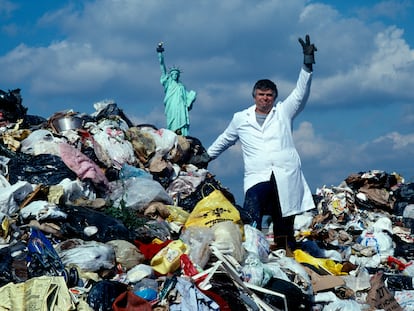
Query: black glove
(308, 51)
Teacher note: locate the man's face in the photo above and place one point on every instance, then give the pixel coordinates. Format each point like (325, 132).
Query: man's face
(264, 100)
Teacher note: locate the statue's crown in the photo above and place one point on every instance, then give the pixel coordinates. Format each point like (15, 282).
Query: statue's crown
(175, 68)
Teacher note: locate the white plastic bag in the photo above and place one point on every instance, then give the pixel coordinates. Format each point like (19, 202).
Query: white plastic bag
(89, 256)
(113, 146)
(11, 194)
(136, 193)
(165, 139)
(379, 240)
(256, 242)
(228, 239)
(198, 239)
(254, 271)
(42, 210)
(41, 142)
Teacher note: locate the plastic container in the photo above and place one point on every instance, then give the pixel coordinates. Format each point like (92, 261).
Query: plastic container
(168, 259)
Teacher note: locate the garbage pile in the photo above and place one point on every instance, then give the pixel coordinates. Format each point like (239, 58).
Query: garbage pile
(98, 213)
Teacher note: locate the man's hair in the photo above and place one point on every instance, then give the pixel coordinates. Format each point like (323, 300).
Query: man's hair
(264, 84)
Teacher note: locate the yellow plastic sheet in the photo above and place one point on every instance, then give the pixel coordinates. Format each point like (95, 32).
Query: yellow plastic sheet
(328, 265)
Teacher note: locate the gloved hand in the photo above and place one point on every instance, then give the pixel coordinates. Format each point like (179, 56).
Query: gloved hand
(308, 51)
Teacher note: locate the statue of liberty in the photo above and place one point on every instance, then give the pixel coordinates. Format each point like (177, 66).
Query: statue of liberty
(177, 101)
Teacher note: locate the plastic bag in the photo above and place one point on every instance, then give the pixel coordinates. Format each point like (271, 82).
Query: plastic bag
(127, 254)
(213, 209)
(87, 255)
(254, 271)
(318, 263)
(288, 268)
(228, 239)
(11, 196)
(379, 240)
(296, 298)
(164, 139)
(39, 142)
(136, 193)
(103, 294)
(146, 288)
(208, 185)
(11, 105)
(139, 272)
(198, 239)
(108, 109)
(177, 215)
(42, 259)
(128, 171)
(256, 242)
(114, 149)
(104, 227)
(42, 210)
(45, 169)
(6, 262)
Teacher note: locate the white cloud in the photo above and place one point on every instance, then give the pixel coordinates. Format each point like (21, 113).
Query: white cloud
(396, 142)
(392, 9)
(388, 72)
(316, 148)
(7, 7)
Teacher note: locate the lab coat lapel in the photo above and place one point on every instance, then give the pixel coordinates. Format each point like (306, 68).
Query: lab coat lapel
(251, 117)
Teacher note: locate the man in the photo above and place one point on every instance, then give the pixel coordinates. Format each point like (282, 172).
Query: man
(273, 180)
(177, 101)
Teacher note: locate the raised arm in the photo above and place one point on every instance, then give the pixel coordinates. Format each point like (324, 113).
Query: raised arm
(160, 51)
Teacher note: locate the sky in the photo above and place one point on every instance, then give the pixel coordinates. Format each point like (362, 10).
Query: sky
(360, 115)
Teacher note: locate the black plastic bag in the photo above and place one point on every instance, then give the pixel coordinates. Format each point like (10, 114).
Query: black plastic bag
(402, 248)
(296, 298)
(208, 185)
(6, 260)
(113, 110)
(151, 229)
(6, 152)
(34, 122)
(399, 282)
(108, 227)
(224, 285)
(405, 193)
(198, 155)
(11, 108)
(45, 169)
(103, 294)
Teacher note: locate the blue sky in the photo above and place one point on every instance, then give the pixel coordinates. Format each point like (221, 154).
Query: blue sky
(360, 115)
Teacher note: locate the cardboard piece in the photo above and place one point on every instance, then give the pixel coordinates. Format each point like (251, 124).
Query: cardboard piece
(323, 282)
(380, 297)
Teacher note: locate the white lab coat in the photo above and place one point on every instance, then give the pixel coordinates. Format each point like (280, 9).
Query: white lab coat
(270, 148)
